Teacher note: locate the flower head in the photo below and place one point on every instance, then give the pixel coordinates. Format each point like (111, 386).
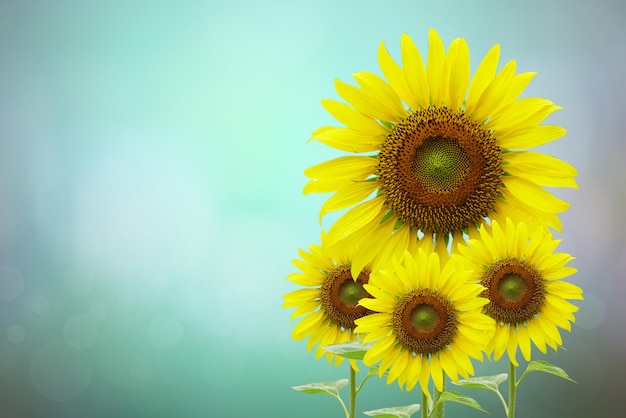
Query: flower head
(523, 279)
(328, 299)
(436, 151)
(427, 320)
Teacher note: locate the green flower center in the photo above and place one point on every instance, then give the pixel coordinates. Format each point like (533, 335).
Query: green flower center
(440, 164)
(340, 294)
(351, 293)
(424, 318)
(512, 287)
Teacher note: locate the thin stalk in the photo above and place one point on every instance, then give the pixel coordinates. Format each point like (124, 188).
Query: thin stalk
(352, 392)
(439, 410)
(424, 405)
(512, 390)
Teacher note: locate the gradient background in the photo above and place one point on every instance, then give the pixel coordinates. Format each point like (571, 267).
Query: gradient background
(151, 166)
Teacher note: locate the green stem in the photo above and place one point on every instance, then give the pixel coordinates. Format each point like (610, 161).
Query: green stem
(352, 392)
(439, 410)
(512, 389)
(424, 405)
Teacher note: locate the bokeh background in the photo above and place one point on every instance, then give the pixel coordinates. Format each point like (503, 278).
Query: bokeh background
(151, 167)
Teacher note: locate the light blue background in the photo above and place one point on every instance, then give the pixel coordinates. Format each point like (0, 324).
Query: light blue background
(151, 159)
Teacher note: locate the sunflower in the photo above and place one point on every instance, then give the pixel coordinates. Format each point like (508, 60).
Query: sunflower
(427, 320)
(330, 293)
(522, 276)
(436, 151)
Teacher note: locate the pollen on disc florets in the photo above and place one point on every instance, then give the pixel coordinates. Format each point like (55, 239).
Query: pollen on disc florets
(515, 290)
(340, 294)
(424, 321)
(439, 170)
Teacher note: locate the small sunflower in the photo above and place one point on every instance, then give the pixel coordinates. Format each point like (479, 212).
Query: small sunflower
(329, 299)
(437, 151)
(522, 276)
(427, 320)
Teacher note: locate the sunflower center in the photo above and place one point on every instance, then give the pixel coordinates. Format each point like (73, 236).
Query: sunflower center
(515, 290)
(424, 318)
(340, 294)
(440, 171)
(424, 321)
(351, 293)
(440, 164)
(512, 287)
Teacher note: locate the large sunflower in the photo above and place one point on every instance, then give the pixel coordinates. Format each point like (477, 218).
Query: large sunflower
(522, 275)
(428, 320)
(330, 293)
(437, 151)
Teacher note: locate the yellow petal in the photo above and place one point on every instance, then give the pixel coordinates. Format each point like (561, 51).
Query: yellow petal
(377, 89)
(532, 137)
(348, 167)
(379, 350)
(459, 68)
(364, 102)
(398, 366)
(436, 66)
(524, 124)
(436, 372)
(564, 289)
(338, 172)
(493, 94)
(425, 375)
(348, 196)
(352, 118)
(415, 73)
(533, 195)
(499, 341)
(367, 251)
(306, 325)
(517, 112)
(413, 372)
(524, 341)
(346, 139)
(448, 365)
(394, 75)
(484, 75)
(511, 346)
(537, 336)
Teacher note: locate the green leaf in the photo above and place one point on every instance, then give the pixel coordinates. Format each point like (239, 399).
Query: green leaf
(328, 388)
(374, 371)
(452, 396)
(394, 412)
(484, 382)
(354, 350)
(544, 366)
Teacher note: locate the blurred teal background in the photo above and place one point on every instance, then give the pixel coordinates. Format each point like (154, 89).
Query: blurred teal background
(151, 166)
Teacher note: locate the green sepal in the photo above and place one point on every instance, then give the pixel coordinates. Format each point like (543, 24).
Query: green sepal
(452, 396)
(544, 366)
(329, 388)
(395, 411)
(353, 350)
